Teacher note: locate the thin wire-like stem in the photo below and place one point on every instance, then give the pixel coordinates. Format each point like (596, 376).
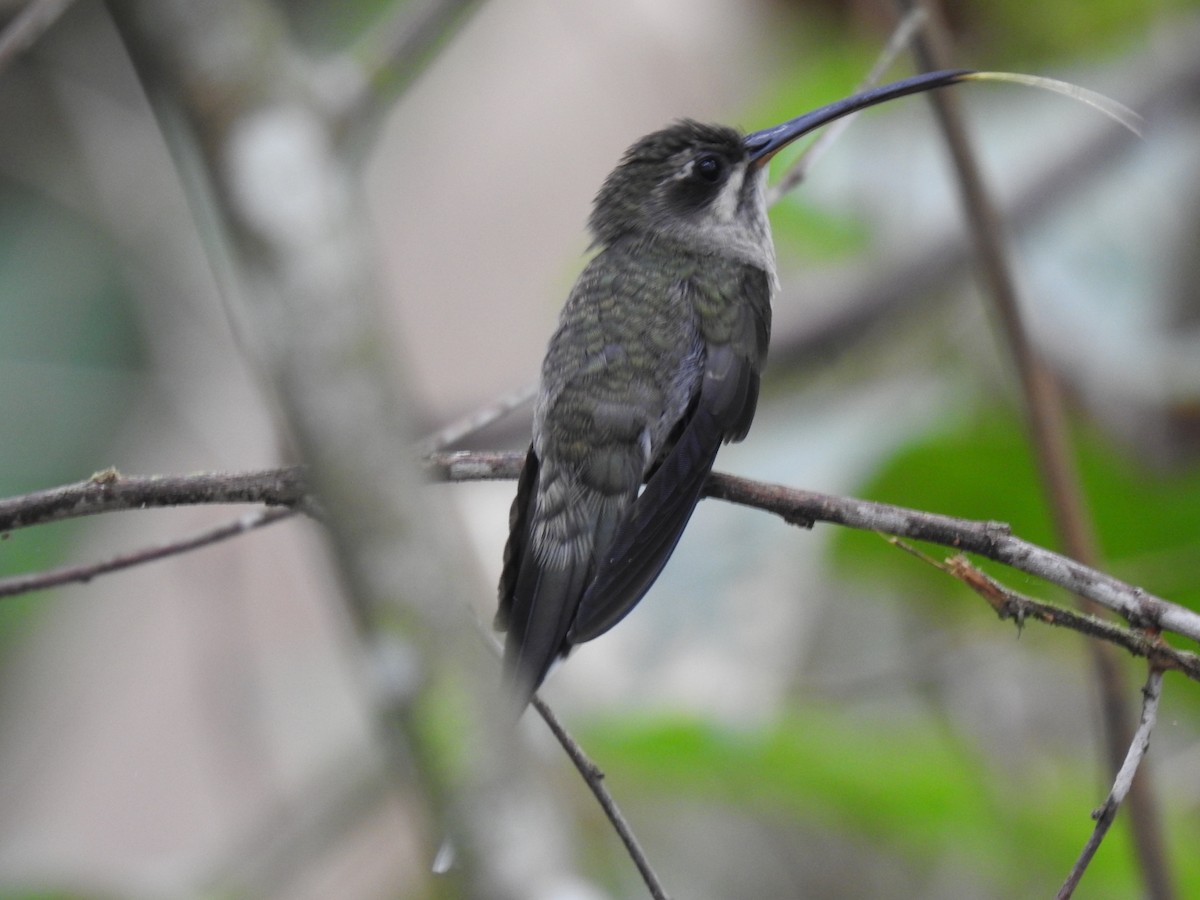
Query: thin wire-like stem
(902, 35)
(478, 419)
(82, 574)
(392, 55)
(594, 779)
(1122, 784)
(34, 19)
(1019, 608)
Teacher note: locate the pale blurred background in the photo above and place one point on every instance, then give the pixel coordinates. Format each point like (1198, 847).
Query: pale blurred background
(788, 713)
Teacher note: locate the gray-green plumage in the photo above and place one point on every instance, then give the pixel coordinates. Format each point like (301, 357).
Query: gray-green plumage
(654, 365)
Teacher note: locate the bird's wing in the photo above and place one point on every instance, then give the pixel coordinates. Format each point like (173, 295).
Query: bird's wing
(518, 538)
(537, 600)
(651, 529)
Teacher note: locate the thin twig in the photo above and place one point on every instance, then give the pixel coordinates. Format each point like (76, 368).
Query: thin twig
(861, 297)
(403, 43)
(902, 34)
(993, 540)
(594, 779)
(1140, 743)
(23, 31)
(477, 420)
(82, 574)
(1009, 604)
(395, 52)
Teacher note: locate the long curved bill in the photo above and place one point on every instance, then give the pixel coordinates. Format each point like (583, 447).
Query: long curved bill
(762, 145)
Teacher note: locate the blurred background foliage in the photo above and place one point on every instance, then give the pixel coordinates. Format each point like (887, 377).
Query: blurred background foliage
(907, 745)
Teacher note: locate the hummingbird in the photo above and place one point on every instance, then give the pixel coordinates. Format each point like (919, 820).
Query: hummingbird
(655, 364)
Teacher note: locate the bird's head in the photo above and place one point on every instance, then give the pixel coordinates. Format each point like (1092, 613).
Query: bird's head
(694, 183)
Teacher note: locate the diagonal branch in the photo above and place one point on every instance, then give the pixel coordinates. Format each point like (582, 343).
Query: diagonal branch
(393, 54)
(1010, 604)
(82, 574)
(34, 19)
(594, 779)
(902, 34)
(1140, 743)
(478, 419)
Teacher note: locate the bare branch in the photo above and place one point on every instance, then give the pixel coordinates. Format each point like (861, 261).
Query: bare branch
(478, 419)
(798, 171)
(1009, 604)
(993, 540)
(27, 26)
(395, 52)
(1151, 694)
(594, 779)
(109, 491)
(40, 581)
(1043, 399)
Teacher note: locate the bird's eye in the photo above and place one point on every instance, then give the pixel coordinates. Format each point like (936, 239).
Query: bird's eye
(709, 167)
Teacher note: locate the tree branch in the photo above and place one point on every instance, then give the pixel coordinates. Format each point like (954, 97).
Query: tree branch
(394, 53)
(269, 170)
(478, 419)
(992, 540)
(110, 491)
(902, 34)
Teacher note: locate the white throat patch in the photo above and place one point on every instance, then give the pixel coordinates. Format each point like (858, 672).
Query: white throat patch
(725, 207)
